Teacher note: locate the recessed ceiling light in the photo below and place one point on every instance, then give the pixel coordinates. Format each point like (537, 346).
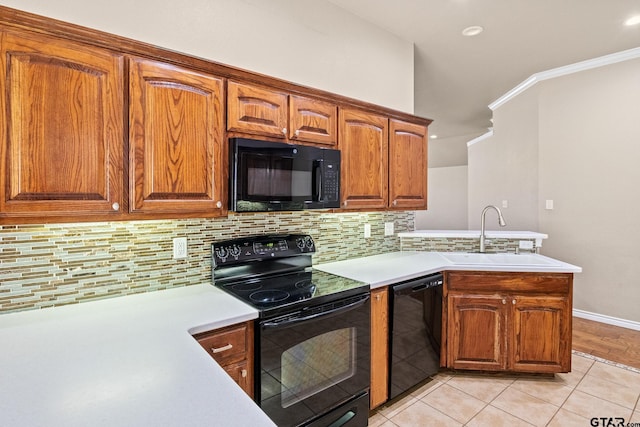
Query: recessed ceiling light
(634, 20)
(433, 136)
(473, 30)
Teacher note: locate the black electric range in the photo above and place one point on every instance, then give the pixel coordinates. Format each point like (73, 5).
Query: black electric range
(273, 273)
(312, 337)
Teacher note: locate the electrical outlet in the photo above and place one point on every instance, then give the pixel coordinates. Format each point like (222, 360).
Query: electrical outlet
(525, 244)
(179, 248)
(388, 228)
(367, 231)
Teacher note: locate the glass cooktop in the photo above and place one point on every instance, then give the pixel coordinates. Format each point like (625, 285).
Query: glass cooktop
(303, 288)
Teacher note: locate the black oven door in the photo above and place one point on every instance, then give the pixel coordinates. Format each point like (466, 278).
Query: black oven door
(275, 176)
(313, 366)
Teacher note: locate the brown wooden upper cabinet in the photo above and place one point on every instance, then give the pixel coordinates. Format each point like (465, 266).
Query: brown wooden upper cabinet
(176, 134)
(313, 121)
(407, 165)
(384, 162)
(263, 111)
(364, 140)
(62, 135)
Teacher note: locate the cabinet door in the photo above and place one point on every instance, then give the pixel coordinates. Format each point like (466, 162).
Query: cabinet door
(541, 334)
(379, 346)
(313, 121)
(363, 142)
(62, 131)
(176, 137)
(241, 375)
(407, 165)
(477, 334)
(256, 110)
(232, 347)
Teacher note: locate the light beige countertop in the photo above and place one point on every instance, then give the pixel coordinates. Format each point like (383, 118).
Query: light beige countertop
(125, 361)
(393, 267)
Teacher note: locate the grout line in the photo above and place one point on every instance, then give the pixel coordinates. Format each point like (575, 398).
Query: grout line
(606, 361)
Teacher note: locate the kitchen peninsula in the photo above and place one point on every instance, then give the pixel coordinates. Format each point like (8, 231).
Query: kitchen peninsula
(495, 312)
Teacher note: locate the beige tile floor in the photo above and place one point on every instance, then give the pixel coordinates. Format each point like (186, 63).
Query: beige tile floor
(595, 388)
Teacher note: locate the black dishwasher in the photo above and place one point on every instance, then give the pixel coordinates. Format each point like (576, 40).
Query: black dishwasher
(415, 332)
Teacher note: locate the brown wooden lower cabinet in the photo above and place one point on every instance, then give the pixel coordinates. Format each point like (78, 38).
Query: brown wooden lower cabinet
(232, 348)
(379, 346)
(517, 322)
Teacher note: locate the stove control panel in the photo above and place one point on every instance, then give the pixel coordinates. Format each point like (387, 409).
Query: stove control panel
(262, 247)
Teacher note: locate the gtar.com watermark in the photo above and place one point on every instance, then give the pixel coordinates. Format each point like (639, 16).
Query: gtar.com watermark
(612, 422)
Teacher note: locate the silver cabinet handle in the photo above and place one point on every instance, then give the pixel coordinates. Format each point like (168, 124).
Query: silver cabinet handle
(504, 300)
(115, 206)
(513, 302)
(395, 202)
(378, 297)
(284, 131)
(221, 349)
(345, 203)
(218, 204)
(243, 373)
(297, 132)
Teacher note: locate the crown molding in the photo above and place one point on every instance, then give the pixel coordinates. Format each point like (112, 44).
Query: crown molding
(480, 138)
(589, 64)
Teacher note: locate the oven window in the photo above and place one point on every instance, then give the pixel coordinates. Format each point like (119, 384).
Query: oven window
(317, 364)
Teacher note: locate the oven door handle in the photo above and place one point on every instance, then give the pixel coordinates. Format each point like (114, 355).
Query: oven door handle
(299, 316)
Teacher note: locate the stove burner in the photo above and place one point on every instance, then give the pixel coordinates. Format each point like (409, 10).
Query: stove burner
(302, 284)
(248, 287)
(265, 297)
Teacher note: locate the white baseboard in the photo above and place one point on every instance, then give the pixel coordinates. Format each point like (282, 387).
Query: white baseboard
(609, 320)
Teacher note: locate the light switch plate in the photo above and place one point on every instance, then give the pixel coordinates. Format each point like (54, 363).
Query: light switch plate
(388, 229)
(367, 231)
(548, 205)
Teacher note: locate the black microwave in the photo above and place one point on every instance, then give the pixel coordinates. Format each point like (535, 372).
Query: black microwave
(274, 176)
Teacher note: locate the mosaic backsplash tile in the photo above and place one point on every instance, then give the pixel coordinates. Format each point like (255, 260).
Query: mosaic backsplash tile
(55, 264)
(440, 244)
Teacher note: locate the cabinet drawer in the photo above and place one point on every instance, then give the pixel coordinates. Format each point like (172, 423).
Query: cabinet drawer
(478, 281)
(226, 345)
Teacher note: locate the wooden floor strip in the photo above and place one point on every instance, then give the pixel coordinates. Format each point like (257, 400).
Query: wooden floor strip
(609, 342)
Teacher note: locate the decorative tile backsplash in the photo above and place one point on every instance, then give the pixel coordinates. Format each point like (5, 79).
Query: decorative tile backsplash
(451, 244)
(56, 264)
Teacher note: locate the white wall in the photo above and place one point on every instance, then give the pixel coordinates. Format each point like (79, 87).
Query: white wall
(504, 167)
(310, 42)
(589, 166)
(586, 129)
(447, 187)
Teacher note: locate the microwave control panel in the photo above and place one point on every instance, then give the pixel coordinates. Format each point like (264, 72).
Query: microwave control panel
(331, 191)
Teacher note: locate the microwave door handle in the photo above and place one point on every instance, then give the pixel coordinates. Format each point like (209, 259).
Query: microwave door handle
(317, 178)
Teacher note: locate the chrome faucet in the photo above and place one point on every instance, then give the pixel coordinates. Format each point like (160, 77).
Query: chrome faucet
(500, 221)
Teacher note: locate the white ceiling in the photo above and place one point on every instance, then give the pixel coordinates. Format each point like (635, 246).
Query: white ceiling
(457, 77)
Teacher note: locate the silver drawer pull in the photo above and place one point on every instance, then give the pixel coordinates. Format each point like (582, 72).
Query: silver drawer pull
(243, 373)
(221, 349)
